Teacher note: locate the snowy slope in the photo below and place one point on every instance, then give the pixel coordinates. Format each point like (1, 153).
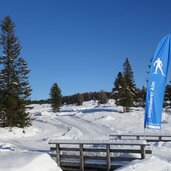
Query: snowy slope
(22, 150)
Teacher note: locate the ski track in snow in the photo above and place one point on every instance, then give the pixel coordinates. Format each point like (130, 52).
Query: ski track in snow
(39, 142)
(87, 128)
(59, 127)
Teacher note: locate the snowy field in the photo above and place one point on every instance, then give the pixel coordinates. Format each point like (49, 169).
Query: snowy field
(27, 149)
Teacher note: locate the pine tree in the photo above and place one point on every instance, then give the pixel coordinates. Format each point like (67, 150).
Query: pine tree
(55, 97)
(124, 90)
(119, 91)
(118, 84)
(130, 84)
(14, 85)
(129, 75)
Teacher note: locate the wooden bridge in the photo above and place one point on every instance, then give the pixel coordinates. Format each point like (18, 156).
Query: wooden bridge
(104, 155)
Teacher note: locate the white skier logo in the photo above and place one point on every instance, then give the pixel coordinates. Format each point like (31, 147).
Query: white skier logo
(158, 64)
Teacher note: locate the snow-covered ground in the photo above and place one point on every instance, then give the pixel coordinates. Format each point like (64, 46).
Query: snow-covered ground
(27, 149)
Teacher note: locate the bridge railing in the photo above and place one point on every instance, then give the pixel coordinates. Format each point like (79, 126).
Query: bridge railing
(147, 137)
(98, 154)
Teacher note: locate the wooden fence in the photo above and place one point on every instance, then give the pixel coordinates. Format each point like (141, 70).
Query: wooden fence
(97, 154)
(147, 137)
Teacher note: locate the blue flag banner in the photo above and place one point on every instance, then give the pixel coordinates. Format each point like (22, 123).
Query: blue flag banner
(156, 84)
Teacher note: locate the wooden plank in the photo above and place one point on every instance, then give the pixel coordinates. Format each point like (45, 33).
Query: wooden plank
(117, 150)
(113, 159)
(147, 137)
(152, 140)
(141, 135)
(70, 164)
(95, 162)
(92, 166)
(108, 157)
(85, 157)
(125, 150)
(65, 168)
(104, 150)
(143, 151)
(95, 158)
(94, 150)
(81, 158)
(98, 158)
(97, 142)
(57, 155)
(69, 156)
(92, 163)
(88, 163)
(69, 149)
(95, 166)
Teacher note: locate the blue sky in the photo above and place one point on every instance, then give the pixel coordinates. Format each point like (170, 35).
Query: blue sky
(82, 44)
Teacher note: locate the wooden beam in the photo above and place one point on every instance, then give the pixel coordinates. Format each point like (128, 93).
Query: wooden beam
(96, 142)
(143, 151)
(160, 138)
(108, 157)
(57, 155)
(147, 137)
(81, 158)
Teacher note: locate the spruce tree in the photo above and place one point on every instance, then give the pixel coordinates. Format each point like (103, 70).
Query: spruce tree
(119, 91)
(129, 75)
(55, 97)
(14, 84)
(130, 84)
(124, 90)
(118, 84)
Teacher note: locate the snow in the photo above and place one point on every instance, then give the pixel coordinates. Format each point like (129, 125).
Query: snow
(28, 149)
(26, 161)
(150, 164)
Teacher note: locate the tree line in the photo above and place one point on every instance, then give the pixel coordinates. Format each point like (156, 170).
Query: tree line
(102, 97)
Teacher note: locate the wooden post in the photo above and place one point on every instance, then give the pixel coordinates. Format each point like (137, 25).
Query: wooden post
(143, 151)
(160, 138)
(57, 155)
(81, 158)
(108, 157)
